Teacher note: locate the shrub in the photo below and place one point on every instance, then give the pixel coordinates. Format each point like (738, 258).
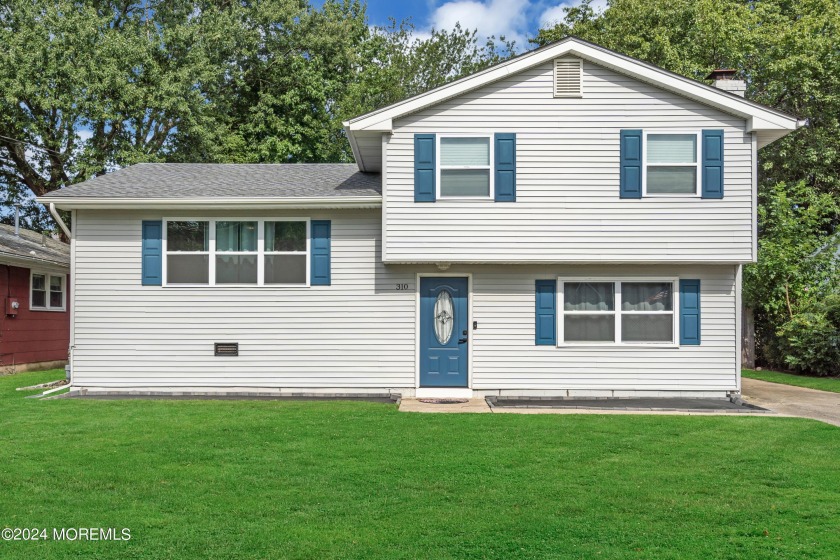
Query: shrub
(810, 341)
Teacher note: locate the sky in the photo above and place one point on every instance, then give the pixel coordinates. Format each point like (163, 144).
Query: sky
(517, 20)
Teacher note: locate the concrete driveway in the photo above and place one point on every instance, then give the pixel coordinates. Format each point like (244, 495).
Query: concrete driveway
(792, 401)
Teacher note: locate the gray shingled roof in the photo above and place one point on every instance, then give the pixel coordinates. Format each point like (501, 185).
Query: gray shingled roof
(228, 180)
(32, 245)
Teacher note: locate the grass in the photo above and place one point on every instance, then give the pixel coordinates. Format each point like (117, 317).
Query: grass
(822, 383)
(263, 479)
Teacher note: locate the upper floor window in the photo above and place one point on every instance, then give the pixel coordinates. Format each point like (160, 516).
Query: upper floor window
(237, 252)
(465, 167)
(671, 164)
(48, 292)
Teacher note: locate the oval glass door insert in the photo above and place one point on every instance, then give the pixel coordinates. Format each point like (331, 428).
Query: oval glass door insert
(444, 317)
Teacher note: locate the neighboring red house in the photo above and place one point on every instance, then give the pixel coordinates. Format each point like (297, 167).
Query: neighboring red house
(34, 279)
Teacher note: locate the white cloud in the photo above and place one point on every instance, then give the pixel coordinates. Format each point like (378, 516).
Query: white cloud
(490, 17)
(554, 14)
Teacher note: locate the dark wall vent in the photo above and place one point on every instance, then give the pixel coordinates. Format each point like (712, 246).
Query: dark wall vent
(226, 348)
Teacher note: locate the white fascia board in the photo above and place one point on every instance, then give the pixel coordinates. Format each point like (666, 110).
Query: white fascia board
(354, 147)
(214, 203)
(726, 102)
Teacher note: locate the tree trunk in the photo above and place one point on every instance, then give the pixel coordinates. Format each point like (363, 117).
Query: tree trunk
(747, 338)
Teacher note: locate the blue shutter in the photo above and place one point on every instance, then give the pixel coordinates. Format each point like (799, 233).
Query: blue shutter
(320, 237)
(505, 163)
(546, 312)
(690, 312)
(424, 168)
(631, 164)
(152, 268)
(712, 172)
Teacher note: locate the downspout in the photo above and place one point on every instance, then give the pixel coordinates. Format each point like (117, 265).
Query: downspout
(72, 281)
(58, 220)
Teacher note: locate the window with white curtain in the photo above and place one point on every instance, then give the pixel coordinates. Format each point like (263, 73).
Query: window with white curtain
(617, 312)
(237, 252)
(671, 165)
(464, 164)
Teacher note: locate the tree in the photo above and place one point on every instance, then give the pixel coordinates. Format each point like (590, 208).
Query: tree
(89, 86)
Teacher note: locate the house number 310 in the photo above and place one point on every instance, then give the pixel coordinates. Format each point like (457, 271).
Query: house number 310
(402, 287)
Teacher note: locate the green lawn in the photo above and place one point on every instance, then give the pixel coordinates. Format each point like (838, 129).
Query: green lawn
(262, 479)
(822, 383)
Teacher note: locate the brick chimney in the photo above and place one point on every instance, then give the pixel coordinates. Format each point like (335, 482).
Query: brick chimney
(724, 78)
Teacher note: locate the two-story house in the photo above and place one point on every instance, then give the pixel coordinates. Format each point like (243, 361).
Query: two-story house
(569, 222)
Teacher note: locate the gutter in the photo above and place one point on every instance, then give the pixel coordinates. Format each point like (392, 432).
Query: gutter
(59, 221)
(210, 203)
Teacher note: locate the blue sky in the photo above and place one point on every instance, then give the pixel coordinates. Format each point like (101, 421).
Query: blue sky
(516, 19)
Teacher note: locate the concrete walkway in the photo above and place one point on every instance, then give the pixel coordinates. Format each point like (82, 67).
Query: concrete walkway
(416, 405)
(625, 406)
(788, 400)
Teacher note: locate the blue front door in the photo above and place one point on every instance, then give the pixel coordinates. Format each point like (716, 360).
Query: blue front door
(444, 332)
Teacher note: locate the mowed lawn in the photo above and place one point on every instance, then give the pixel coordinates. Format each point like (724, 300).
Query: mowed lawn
(262, 479)
(831, 384)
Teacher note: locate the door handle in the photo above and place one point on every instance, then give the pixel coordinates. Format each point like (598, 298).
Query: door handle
(462, 340)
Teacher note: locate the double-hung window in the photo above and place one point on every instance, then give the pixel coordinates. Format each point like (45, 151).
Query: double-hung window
(285, 252)
(188, 252)
(671, 164)
(465, 167)
(617, 312)
(47, 292)
(237, 252)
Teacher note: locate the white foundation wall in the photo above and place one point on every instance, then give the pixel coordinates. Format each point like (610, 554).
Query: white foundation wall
(356, 333)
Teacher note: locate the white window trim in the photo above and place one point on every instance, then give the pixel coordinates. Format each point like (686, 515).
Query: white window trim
(48, 307)
(697, 156)
(616, 281)
(261, 252)
(489, 168)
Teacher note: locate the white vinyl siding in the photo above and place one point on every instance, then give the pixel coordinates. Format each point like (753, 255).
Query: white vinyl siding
(358, 332)
(567, 205)
(506, 358)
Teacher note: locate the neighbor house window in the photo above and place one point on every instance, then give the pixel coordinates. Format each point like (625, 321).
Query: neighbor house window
(671, 164)
(465, 164)
(617, 312)
(237, 252)
(48, 292)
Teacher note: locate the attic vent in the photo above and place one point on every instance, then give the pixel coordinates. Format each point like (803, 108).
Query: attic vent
(226, 348)
(567, 77)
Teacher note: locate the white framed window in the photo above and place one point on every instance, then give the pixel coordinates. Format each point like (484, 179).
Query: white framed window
(47, 291)
(236, 252)
(464, 166)
(629, 311)
(671, 164)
